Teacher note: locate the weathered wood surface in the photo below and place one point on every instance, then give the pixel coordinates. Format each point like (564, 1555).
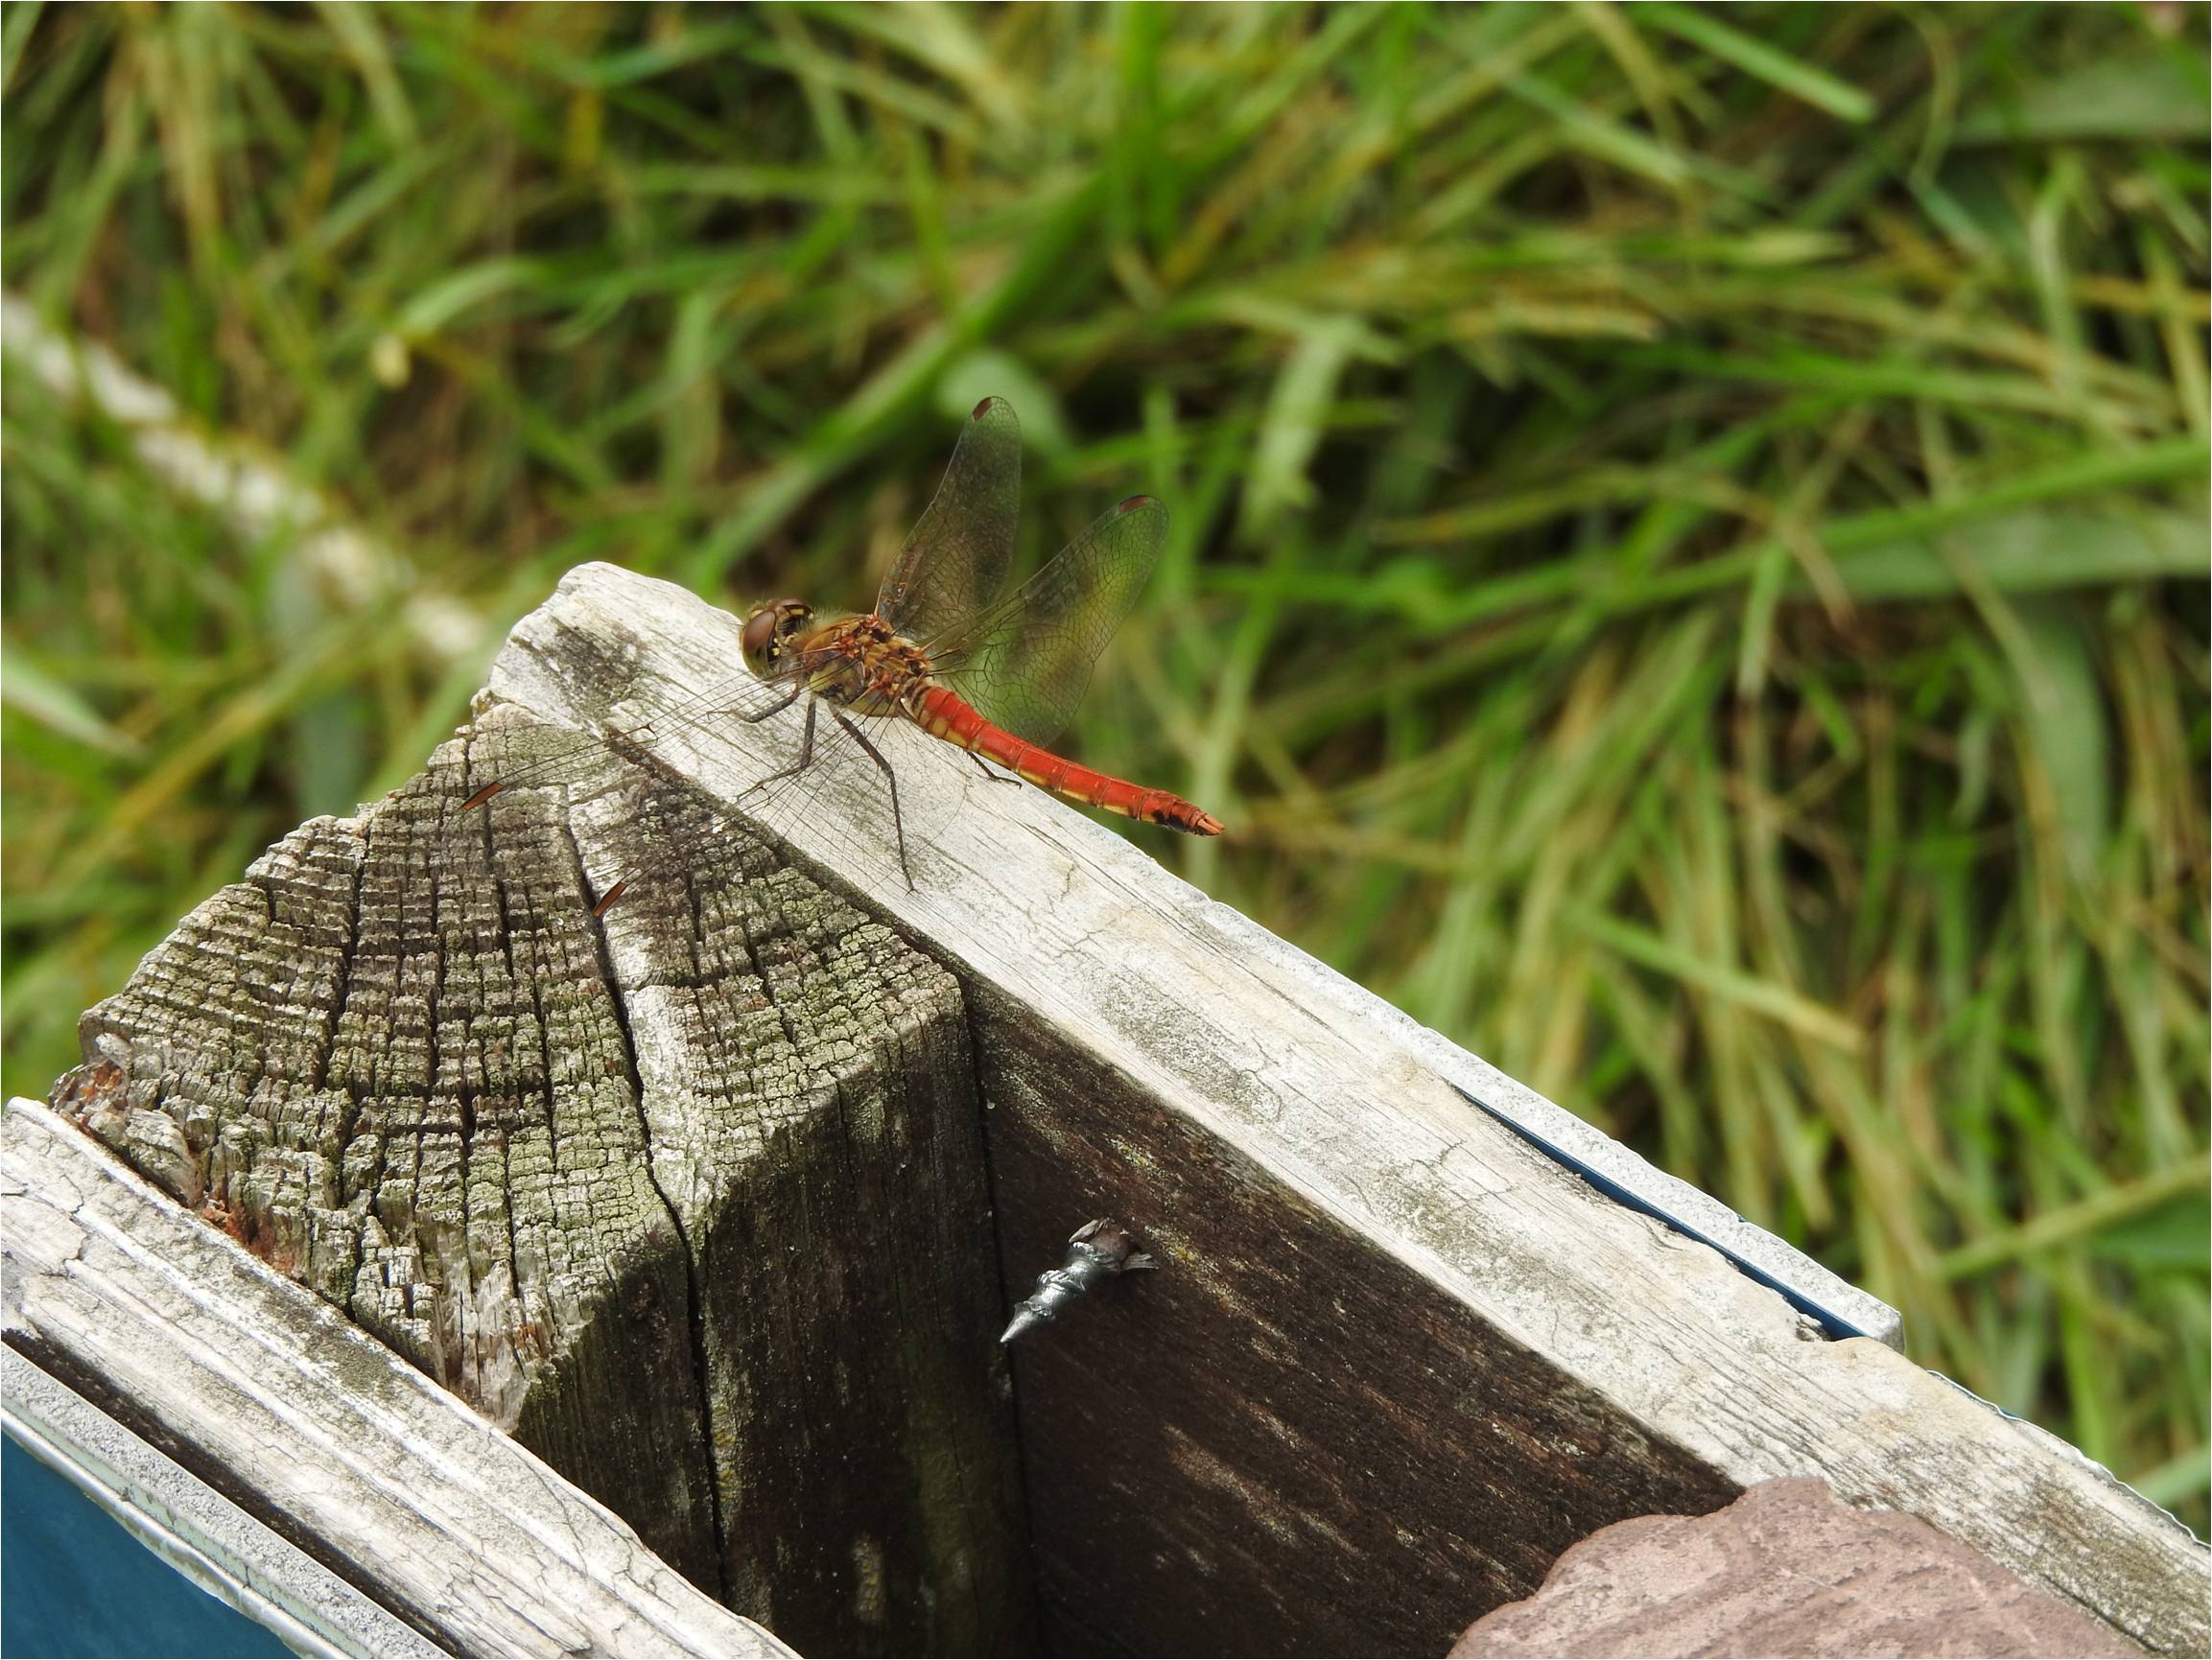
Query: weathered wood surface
(690, 1198)
(1395, 1358)
(192, 1526)
(277, 1402)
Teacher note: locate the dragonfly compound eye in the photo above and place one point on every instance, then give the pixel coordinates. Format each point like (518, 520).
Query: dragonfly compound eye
(759, 639)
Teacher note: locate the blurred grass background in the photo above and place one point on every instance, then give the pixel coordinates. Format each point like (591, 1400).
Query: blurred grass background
(1690, 547)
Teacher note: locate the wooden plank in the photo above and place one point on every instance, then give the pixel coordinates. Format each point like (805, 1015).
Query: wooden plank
(1393, 1349)
(690, 1196)
(266, 1394)
(192, 1526)
(1279, 1442)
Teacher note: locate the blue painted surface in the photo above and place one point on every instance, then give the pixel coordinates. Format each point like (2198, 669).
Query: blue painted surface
(73, 1583)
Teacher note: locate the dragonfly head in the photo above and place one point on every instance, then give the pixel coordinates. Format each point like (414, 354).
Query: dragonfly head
(773, 632)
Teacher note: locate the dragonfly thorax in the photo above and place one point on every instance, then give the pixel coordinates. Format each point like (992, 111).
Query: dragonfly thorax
(856, 662)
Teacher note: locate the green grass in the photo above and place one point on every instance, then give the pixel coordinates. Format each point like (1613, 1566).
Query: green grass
(1690, 545)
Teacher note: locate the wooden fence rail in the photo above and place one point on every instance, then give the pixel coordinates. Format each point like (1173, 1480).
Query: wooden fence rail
(693, 1197)
(393, 1508)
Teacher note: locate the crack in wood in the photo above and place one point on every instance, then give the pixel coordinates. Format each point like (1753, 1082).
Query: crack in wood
(694, 1314)
(561, 1161)
(1381, 1385)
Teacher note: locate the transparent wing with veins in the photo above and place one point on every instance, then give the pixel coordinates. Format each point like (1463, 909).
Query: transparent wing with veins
(1025, 662)
(525, 756)
(956, 559)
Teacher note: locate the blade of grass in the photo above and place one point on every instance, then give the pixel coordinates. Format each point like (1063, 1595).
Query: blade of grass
(2073, 1224)
(1758, 58)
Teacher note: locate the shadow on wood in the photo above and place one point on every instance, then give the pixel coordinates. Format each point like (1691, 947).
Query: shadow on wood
(690, 1197)
(693, 1195)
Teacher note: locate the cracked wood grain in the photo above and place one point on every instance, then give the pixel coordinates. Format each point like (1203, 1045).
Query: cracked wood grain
(1392, 1349)
(690, 1198)
(266, 1394)
(1395, 1358)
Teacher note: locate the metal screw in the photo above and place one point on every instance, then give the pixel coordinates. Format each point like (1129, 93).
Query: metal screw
(1096, 1251)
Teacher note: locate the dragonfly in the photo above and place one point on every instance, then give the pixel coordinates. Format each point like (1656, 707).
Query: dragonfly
(995, 675)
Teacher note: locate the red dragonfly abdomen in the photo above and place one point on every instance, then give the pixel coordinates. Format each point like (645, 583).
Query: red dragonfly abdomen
(946, 714)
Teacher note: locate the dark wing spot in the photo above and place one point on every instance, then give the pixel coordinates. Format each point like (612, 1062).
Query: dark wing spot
(981, 409)
(1133, 503)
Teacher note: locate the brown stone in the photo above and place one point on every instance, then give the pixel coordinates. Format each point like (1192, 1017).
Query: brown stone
(1785, 1570)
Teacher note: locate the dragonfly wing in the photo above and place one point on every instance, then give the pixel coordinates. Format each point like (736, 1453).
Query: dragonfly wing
(518, 769)
(957, 558)
(536, 755)
(1027, 663)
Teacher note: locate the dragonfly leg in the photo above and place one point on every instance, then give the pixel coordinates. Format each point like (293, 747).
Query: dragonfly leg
(991, 772)
(761, 715)
(806, 752)
(890, 778)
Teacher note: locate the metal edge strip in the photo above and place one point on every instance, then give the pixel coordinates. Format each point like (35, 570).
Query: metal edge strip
(1870, 1317)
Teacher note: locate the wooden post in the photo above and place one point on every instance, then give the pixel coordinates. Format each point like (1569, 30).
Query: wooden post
(691, 1197)
(1414, 1331)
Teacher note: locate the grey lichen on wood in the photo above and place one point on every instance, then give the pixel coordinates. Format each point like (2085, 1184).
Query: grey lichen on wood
(688, 1196)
